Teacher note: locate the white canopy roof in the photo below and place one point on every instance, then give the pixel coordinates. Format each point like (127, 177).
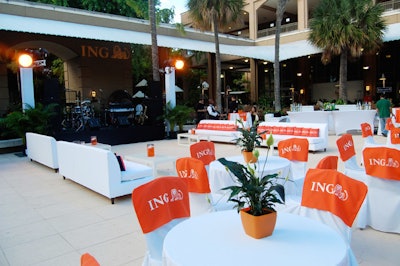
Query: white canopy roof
(69, 29)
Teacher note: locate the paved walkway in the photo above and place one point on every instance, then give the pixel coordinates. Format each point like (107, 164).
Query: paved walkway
(46, 220)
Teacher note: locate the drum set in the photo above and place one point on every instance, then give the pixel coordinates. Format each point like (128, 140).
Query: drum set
(76, 116)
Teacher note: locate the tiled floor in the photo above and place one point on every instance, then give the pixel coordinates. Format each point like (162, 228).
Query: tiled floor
(46, 220)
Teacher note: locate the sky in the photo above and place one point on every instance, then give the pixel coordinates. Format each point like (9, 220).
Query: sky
(180, 7)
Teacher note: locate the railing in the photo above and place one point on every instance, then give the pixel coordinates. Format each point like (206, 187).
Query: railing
(271, 31)
(390, 5)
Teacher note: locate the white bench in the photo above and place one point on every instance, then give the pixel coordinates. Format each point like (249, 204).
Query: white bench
(99, 170)
(317, 138)
(42, 149)
(215, 130)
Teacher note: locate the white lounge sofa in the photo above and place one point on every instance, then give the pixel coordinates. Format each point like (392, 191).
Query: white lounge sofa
(316, 133)
(42, 149)
(98, 169)
(218, 130)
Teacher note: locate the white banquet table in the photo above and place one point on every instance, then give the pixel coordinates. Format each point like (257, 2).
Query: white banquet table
(218, 238)
(348, 120)
(219, 177)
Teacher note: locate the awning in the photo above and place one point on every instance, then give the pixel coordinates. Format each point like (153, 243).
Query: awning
(142, 83)
(69, 29)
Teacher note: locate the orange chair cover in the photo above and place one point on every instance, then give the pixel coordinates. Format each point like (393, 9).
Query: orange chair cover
(194, 173)
(294, 149)
(395, 135)
(366, 130)
(88, 260)
(389, 124)
(204, 151)
(243, 116)
(328, 162)
(330, 190)
(346, 148)
(382, 162)
(397, 114)
(160, 201)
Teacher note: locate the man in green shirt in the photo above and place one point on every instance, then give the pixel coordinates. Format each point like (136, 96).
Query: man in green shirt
(383, 109)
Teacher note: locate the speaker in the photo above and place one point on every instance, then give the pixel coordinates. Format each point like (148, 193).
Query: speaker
(93, 123)
(123, 121)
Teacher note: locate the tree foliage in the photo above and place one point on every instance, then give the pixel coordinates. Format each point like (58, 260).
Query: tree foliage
(213, 15)
(346, 27)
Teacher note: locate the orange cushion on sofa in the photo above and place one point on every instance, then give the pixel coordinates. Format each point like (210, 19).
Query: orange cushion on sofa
(289, 130)
(282, 131)
(276, 130)
(314, 132)
(305, 132)
(297, 131)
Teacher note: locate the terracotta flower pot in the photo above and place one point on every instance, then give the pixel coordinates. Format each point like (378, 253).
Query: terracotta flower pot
(249, 157)
(258, 226)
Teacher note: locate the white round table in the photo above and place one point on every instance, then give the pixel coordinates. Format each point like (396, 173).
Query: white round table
(218, 239)
(219, 177)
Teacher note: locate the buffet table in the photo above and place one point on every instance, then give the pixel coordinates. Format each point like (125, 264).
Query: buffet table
(339, 122)
(218, 238)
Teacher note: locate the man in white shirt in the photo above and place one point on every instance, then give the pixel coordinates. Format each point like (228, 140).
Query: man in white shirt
(211, 110)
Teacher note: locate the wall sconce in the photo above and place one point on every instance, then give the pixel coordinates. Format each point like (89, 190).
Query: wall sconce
(93, 93)
(367, 88)
(301, 91)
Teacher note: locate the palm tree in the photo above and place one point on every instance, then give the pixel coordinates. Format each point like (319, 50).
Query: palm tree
(277, 81)
(215, 14)
(346, 27)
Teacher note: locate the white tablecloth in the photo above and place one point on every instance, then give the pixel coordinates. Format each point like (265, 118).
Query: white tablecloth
(218, 239)
(219, 178)
(348, 120)
(339, 122)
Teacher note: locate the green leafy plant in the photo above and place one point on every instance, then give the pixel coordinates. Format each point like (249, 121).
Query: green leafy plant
(249, 138)
(37, 120)
(177, 115)
(258, 194)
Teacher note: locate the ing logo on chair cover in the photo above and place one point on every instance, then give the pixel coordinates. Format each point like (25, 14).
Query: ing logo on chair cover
(164, 199)
(332, 189)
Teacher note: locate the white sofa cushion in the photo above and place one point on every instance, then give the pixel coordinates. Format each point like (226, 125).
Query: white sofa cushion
(135, 171)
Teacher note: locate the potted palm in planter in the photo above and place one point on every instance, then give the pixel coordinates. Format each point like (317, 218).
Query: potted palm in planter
(248, 140)
(255, 195)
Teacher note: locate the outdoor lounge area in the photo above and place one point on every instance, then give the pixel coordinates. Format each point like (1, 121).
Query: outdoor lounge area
(48, 220)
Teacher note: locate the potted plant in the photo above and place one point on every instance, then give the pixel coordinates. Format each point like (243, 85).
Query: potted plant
(177, 115)
(255, 195)
(248, 140)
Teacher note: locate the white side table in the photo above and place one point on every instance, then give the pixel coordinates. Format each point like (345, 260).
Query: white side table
(153, 162)
(189, 139)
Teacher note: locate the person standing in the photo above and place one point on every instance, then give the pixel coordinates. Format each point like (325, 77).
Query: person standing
(211, 110)
(233, 105)
(383, 109)
(252, 116)
(201, 110)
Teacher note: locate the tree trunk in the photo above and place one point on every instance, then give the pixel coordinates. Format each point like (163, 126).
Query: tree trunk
(217, 65)
(154, 45)
(343, 76)
(277, 84)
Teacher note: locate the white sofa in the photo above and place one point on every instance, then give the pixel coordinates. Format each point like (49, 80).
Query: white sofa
(42, 149)
(280, 131)
(218, 130)
(98, 169)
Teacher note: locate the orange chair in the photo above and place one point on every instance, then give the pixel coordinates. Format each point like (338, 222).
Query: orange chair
(194, 173)
(367, 134)
(88, 260)
(334, 199)
(160, 205)
(382, 167)
(328, 162)
(347, 153)
(204, 151)
(296, 151)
